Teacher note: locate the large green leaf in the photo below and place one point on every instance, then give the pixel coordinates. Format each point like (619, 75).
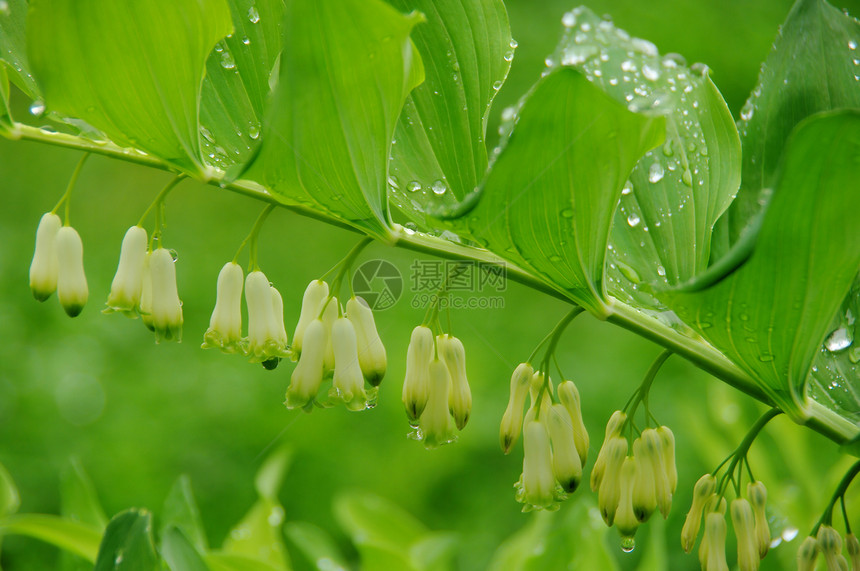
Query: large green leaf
(316, 545)
(127, 544)
(662, 228)
(346, 69)
(813, 67)
(10, 500)
(548, 201)
(440, 155)
(79, 499)
(78, 538)
(771, 315)
(180, 511)
(12, 46)
(7, 124)
(130, 69)
(370, 519)
(179, 553)
(219, 561)
(236, 86)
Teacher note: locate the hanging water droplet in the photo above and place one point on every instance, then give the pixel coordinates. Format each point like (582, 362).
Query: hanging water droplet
(509, 56)
(439, 188)
(628, 544)
(655, 173)
(700, 69)
(37, 108)
(839, 340)
(227, 61)
(633, 220)
(513, 43)
(253, 15)
(174, 254)
(650, 73)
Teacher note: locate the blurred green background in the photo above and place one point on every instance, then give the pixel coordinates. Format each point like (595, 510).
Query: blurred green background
(137, 415)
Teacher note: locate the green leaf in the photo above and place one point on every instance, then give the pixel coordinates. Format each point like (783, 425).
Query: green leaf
(662, 228)
(236, 86)
(317, 546)
(127, 544)
(346, 69)
(7, 124)
(370, 519)
(10, 500)
(130, 69)
(79, 499)
(383, 558)
(259, 536)
(812, 68)
(548, 201)
(12, 46)
(179, 553)
(219, 561)
(78, 538)
(440, 138)
(270, 476)
(434, 551)
(181, 512)
(771, 315)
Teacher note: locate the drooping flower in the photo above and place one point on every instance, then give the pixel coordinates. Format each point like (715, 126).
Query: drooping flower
(308, 374)
(743, 522)
(625, 517)
(416, 383)
(537, 486)
(225, 325)
(435, 424)
(712, 553)
(852, 545)
(644, 495)
(757, 494)
(460, 397)
(328, 318)
(568, 394)
(72, 287)
(653, 452)
(315, 294)
(830, 546)
(371, 351)
(127, 283)
(348, 381)
(807, 554)
(702, 492)
(44, 268)
(613, 428)
(667, 441)
(567, 466)
(512, 420)
(609, 492)
(265, 340)
(166, 307)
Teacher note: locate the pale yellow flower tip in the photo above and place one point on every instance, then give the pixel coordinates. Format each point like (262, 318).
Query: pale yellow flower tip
(712, 553)
(371, 352)
(512, 420)
(315, 295)
(348, 381)
(266, 338)
(743, 522)
(757, 494)
(307, 376)
(127, 284)
(538, 481)
(566, 464)
(435, 424)
(701, 494)
(72, 289)
(44, 268)
(460, 398)
(807, 554)
(416, 383)
(625, 518)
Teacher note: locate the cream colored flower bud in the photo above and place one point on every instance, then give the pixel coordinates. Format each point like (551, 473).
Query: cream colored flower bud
(512, 420)
(315, 294)
(146, 293)
(701, 494)
(307, 376)
(265, 331)
(371, 351)
(128, 281)
(613, 428)
(757, 494)
(44, 267)
(225, 325)
(348, 382)
(667, 439)
(566, 464)
(743, 522)
(653, 448)
(436, 425)
(609, 493)
(712, 553)
(166, 307)
(278, 312)
(416, 384)
(853, 548)
(328, 318)
(451, 350)
(830, 545)
(538, 480)
(644, 486)
(568, 394)
(807, 554)
(72, 287)
(625, 518)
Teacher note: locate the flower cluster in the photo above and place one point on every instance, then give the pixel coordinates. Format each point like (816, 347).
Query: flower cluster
(436, 391)
(828, 543)
(343, 345)
(631, 487)
(555, 442)
(749, 521)
(58, 265)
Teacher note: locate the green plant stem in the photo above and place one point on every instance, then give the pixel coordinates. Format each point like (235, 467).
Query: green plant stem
(641, 394)
(159, 198)
(66, 198)
(827, 516)
(697, 351)
(740, 453)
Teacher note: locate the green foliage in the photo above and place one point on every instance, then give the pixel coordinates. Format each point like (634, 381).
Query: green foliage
(128, 544)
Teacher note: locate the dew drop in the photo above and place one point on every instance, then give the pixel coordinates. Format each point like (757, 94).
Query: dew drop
(254, 131)
(628, 544)
(509, 56)
(174, 254)
(655, 173)
(650, 73)
(37, 108)
(839, 340)
(567, 213)
(569, 20)
(852, 45)
(392, 182)
(747, 111)
(513, 43)
(497, 85)
(627, 189)
(661, 271)
(633, 220)
(227, 61)
(628, 66)
(253, 15)
(246, 40)
(687, 177)
(439, 188)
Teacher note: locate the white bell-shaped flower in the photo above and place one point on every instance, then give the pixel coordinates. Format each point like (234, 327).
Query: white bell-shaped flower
(348, 381)
(146, 293)
(72, 287)
(225, 325)
(757, 494)
(512, 420)
(460, 398)
(625, 518)
(416, 383)
(712, 552)
(566, 464)
(166, 307)
(743, 522)
(264, 334)
(328, 318)
(315, 294)
(44, 268)
(537, 486)
(278, 312)
(127, 284)
(308, 374)
(609, 492)
(435, 424)
(568, 394)
(371, 351)
(702, 492)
